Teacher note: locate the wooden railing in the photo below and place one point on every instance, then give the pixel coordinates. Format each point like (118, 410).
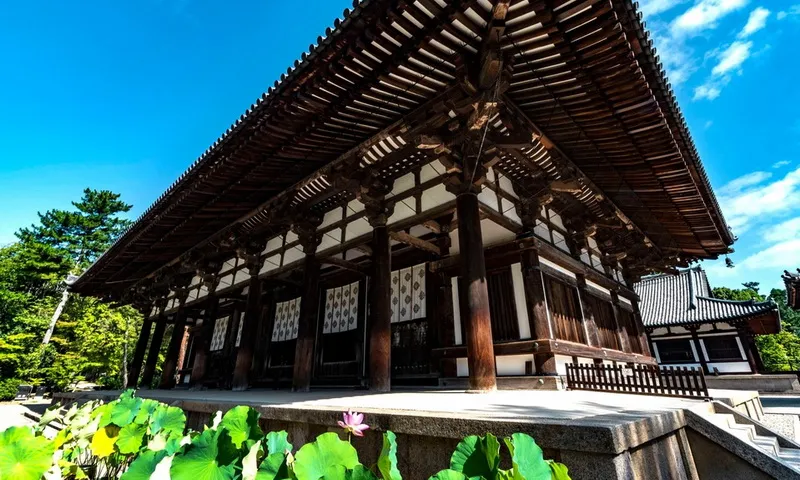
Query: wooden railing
(638, 379)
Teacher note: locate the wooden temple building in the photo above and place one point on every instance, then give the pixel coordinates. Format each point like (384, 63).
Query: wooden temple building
(434, 189)
(792, 282)
(688, 327)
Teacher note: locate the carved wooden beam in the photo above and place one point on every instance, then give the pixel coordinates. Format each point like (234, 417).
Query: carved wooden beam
(415, 242)
(433, 226)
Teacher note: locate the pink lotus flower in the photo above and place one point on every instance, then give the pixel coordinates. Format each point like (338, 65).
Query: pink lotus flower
(353, 423)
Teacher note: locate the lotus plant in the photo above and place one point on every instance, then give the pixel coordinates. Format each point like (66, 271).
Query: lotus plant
(353, 423)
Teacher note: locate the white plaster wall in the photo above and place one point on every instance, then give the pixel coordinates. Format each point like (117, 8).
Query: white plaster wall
(561, 363)
(730, 367)
(519, 302)
(512, 364)
(459, 339)
(462, 367)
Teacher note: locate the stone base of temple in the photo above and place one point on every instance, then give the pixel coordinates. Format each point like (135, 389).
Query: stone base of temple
(597, 435)
(770, 383)
(528, 382)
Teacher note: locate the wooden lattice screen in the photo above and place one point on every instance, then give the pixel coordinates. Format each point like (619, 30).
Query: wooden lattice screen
(638, 379)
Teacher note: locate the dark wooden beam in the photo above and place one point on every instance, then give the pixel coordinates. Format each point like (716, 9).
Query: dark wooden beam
(550, 346)
(433, 226)
(346, 264)
(415, 242)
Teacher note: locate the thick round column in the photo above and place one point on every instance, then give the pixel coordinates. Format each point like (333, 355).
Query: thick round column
(252, 317)
(138, 353)
(380, 329)
(306, 333)
(203, 343)
(174, 350)
(477, 320)
(152, 355)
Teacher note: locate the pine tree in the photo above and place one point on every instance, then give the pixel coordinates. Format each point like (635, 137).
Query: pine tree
(80, 235)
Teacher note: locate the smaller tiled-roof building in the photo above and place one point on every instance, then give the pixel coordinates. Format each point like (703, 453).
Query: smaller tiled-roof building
(792, 281)
(686, 326)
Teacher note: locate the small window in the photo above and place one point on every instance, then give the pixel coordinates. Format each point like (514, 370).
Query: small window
(722, 348)
(675, 351)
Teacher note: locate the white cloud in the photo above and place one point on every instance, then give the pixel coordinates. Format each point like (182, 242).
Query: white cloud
(784, 231)
(783, 255)
(781, 163)
(732, 57)
(707, 91)
(737, 185)
(704, 15)
(675, 55)
(756, 21)
(792, 11)
(750, 198)
(708, 124)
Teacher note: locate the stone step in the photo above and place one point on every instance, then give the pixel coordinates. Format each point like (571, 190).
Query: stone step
(766, 443)
(793, 462)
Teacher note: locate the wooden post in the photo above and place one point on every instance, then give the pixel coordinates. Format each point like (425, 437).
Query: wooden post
(138, 353)
(309, 306)
(264, 337)
(173, 358)
(155, 348)
(622, 334)
(372, 195)
(247, 344)
(750, 348)
(639, 326)
(537, 309)
(592, 336)
(478, 324)
(700, 355)
(380, 328)
(203, 342)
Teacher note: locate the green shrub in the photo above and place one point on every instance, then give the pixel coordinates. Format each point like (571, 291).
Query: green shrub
(133, 438)
(8, 389)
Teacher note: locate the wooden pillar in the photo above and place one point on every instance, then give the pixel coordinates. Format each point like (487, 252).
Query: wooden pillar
(750, 348)
(251, 319)
(640, 331)
(155, 348)
(478, 324)
(622, 333)
(264, 336)
(203, 342)
(536, 302)
(698, 348)
(309, 305)
(138, 353)
(173, 358)
(380, 318)
(590, 326)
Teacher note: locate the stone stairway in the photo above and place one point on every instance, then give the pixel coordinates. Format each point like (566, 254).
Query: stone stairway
(754, 434)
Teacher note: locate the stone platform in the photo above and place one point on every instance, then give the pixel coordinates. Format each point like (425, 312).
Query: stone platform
(598, 435)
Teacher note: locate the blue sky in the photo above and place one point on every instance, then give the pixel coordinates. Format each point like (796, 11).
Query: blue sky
(125, 95)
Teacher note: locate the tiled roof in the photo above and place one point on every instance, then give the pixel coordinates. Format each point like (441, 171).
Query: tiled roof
(792, 281)
(685, 299)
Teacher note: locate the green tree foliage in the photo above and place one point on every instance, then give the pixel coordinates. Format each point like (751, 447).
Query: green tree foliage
(726, 293)
(779, 352)
(89, 337)
(83, 234)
